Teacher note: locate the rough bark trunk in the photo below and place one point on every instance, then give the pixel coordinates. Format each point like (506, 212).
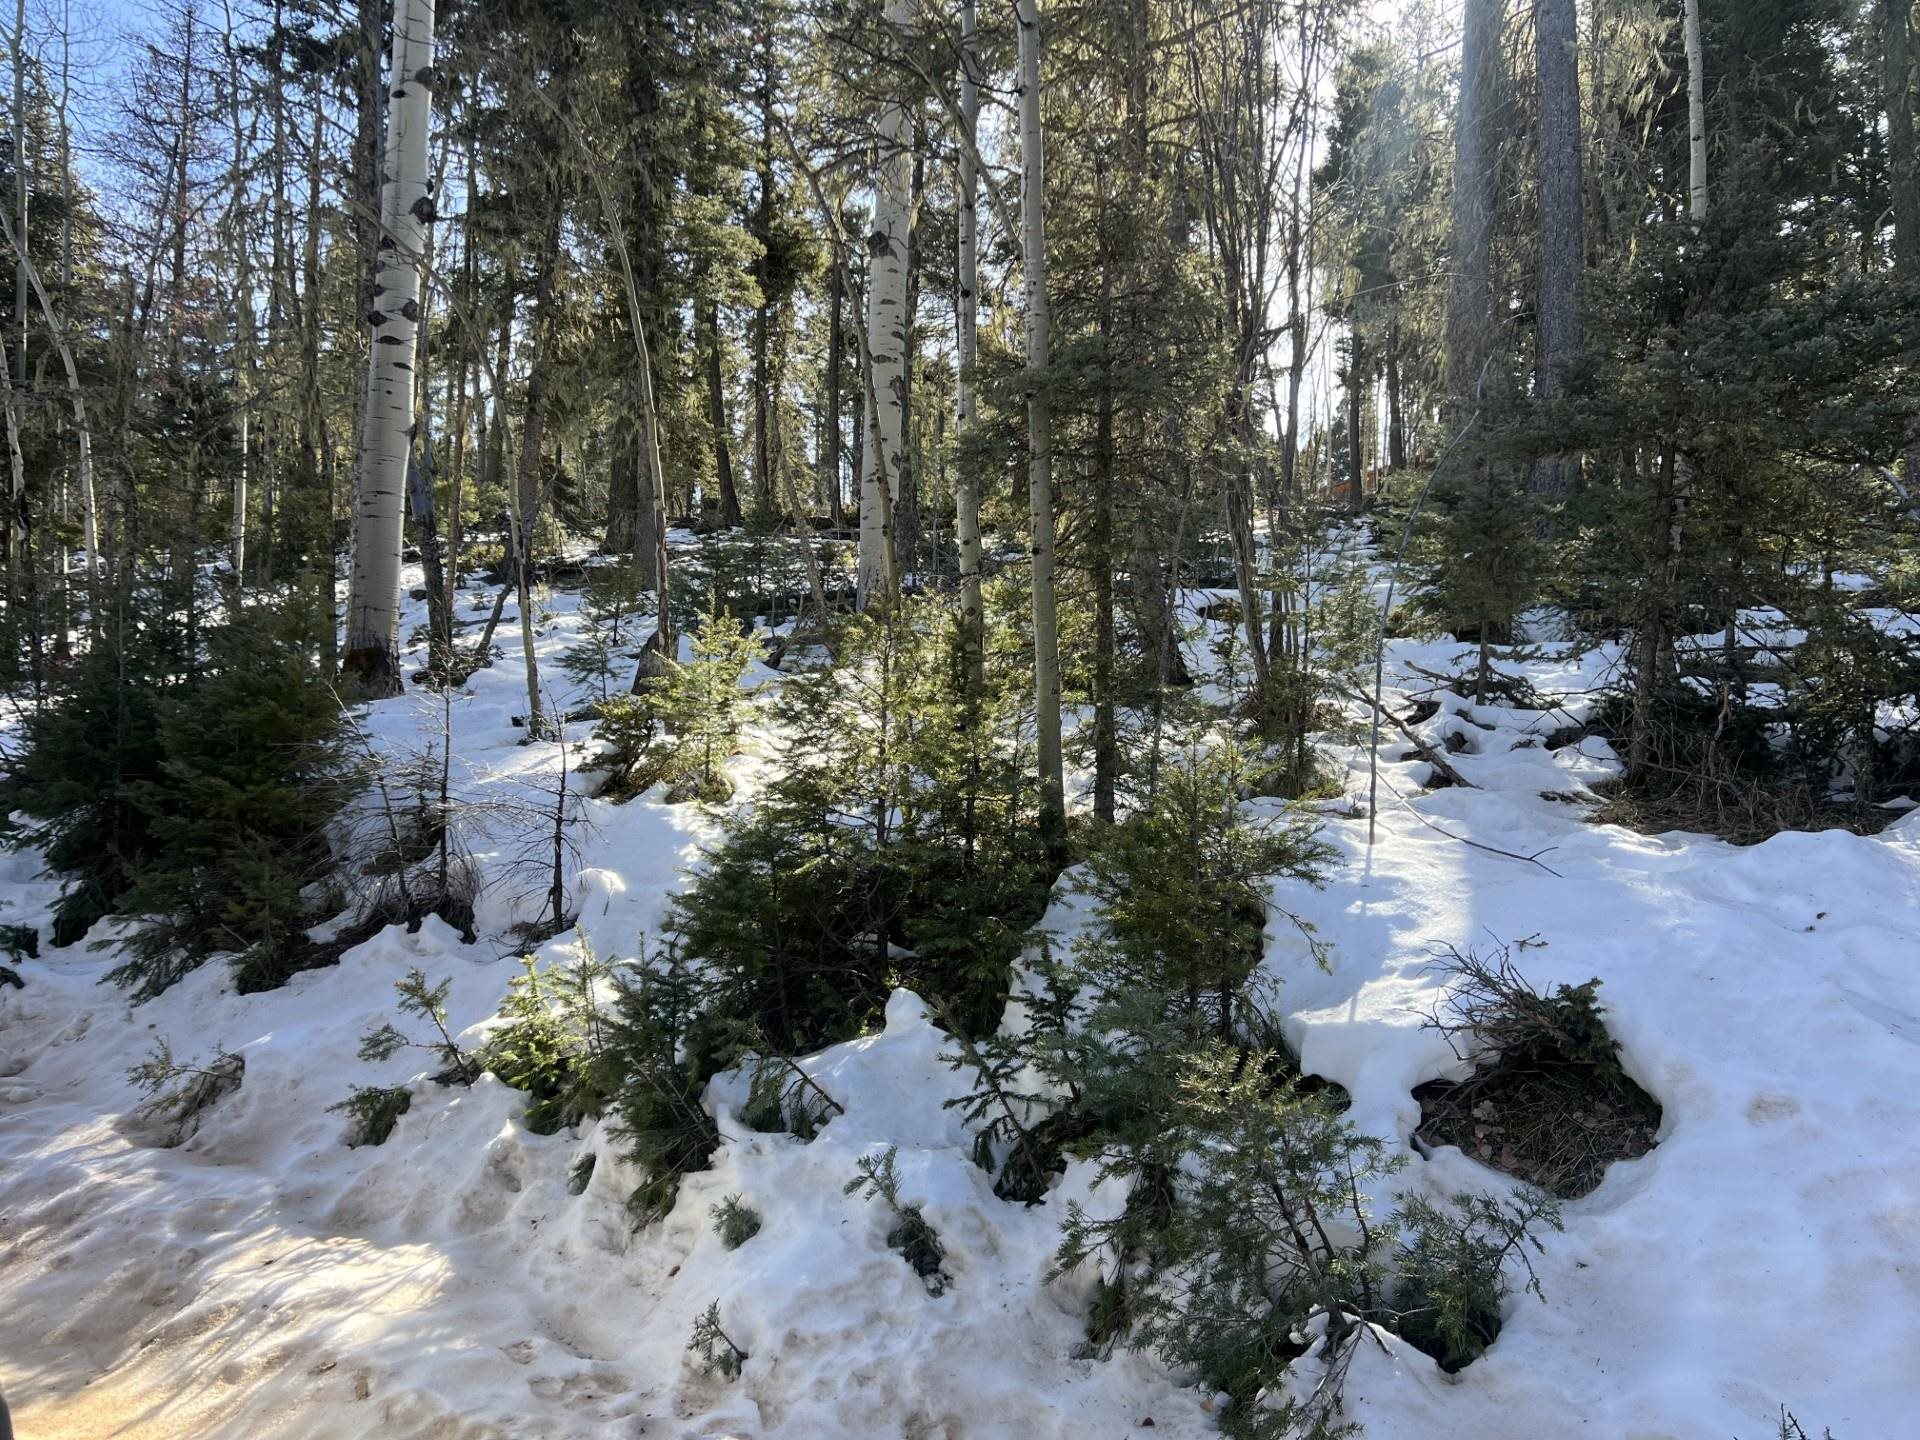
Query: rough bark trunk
(1562, 221)
(1469, 319)
(371, 654)
(717, 417)
(1903, 158)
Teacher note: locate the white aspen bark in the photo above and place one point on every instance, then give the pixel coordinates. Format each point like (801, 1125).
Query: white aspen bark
(1046, 635)
(1696, 114)
(890, 345)
(406, 207)
(966, 494)
(237, 528)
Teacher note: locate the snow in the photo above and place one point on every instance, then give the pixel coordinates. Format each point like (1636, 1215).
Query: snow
(265, 1278)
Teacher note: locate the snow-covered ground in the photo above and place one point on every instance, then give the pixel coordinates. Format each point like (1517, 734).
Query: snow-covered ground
(266, 1279)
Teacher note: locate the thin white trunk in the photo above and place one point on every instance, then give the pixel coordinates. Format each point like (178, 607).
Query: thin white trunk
(373, 603)
(890, 345)
(237, 537)
(1046, 636)
(1696, 114)
(966, 495)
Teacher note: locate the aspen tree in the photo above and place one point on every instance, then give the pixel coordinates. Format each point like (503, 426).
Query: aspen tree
(387, 424)
(889, 343)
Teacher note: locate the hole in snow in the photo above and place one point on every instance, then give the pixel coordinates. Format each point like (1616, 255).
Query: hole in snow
(1548, 1101)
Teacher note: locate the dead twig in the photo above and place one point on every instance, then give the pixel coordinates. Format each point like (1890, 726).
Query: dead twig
(1533, 859)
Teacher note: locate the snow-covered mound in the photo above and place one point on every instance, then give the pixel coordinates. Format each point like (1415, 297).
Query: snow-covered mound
(264, 1278)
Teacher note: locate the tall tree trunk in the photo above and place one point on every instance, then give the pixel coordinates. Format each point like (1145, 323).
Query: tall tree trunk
(76, 394)
(1562, 221)
(315, 463)
(966, 490)
(62, 642)
(473, 334)
(662, 649)
(533, 426)
(366, 176)
(1046, 635)
(1357, 379)
(907, 510)
(765, 407)
(1297, 342)
(831, 444)
(20, 162)
(1106, 736)
(717, 415)
(1696, 113)
(243, 317)
(16, 529)
(1396, 418)
(1903, 166)
(889, 345)
(1470, 309)
(373, 608)
(19, 556)
(663, 645)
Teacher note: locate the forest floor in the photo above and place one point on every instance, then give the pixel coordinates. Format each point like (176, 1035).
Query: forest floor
(265, 1279)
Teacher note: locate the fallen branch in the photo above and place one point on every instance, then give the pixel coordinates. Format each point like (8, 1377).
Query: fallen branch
(1420, 747)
